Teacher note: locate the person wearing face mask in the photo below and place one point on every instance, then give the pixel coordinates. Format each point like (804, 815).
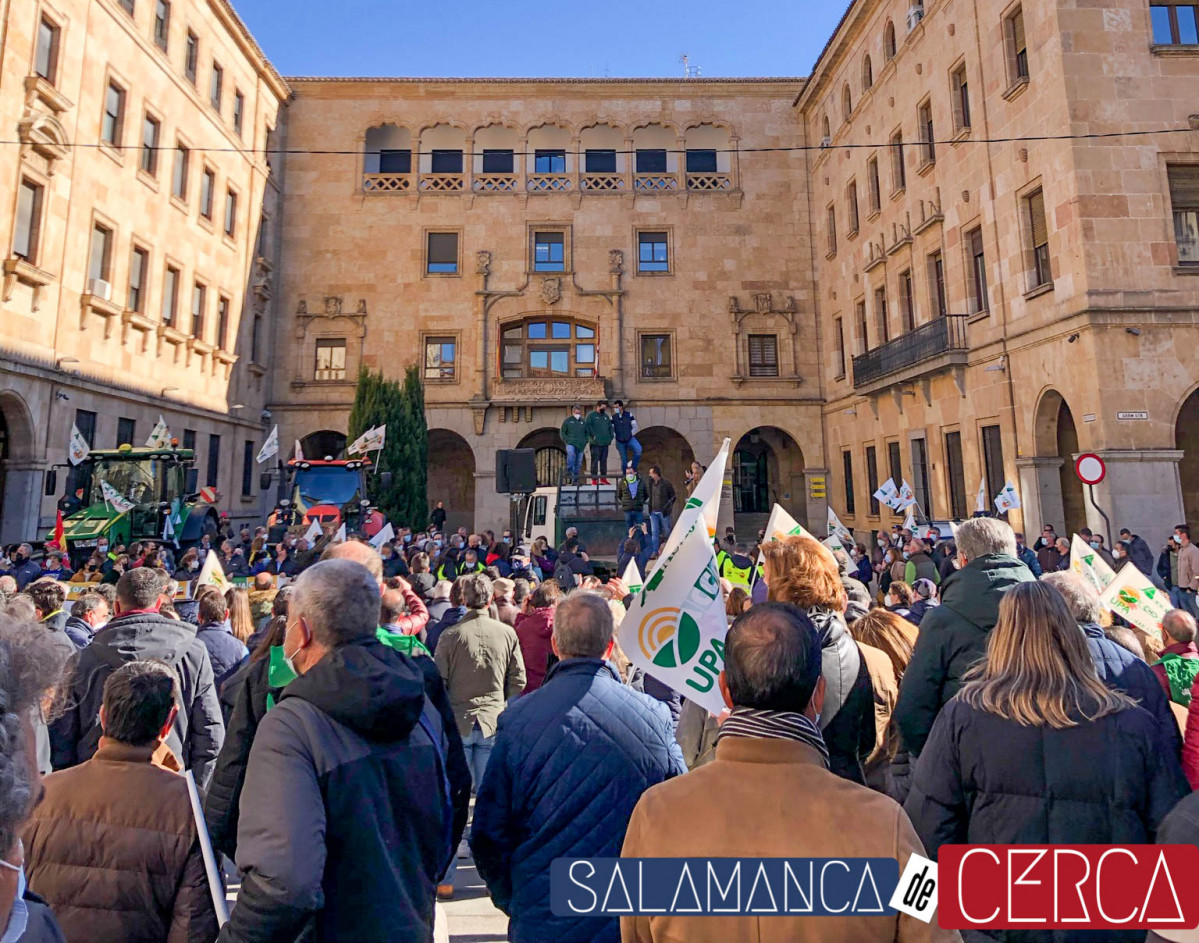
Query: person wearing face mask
(1096, 542)
(631, 494)
(624, 429)
(24, 569)
(599, 432)
(574, 436)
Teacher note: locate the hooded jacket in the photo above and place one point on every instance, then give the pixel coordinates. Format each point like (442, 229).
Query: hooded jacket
(78, 631)
(534, 629)
(345, 822)
(56, 625)
(224, 651)
(847, 719)
(262, 602)
(953, 636)
(198, 731)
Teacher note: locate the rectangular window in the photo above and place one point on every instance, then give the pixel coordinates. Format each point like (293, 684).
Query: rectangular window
(1017, 47)
(1174, 24)
(162, 23)
(899, 174)
(993, 459)
(214, 460)
(907, 305)
(977, 271)
(872, 478)
(839, 348)
(763, 355)
(701, 161)
(170, 295)
(331, 359)
(600, 161)
(863, 330)
(395, 162)
(961, 99)
(441, 358)
(127, 6)
(955, 471)
(441, 255)
(126, 431)
(255, 337)
(924, 120)
(875, 188)
(191, 57)
(114, 115)
(851, 194)
(920, 488)
(880, 315)
(179, 172)
(847, 468)
(151, 127)
(199, 309)
(894, 463)
(936, 283)
(656, 359)
(247, 469)
(651, 161)
(239, 111)
(85, 422)
(216, 85)
(652, 252)
(445, 162)
(497, 162)
(207, 192)
(831, 229)
(189, 439)
(1038, 237)
(549, 162)
(230, 212)
(1184, 201)
(29, 221)
(45, 62)
(222, 323)
(139, 270)
(549, 252)
(100, 260)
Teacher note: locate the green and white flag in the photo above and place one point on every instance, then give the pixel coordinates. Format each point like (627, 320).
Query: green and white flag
(1007, 499)
(212, 572)
(836, 527)
(780, 524)
(160, 435)
(114, 497)
(703, 505)
(77, 449)
(385, 534)
(632, 578)
(1086, 562)
(1134, 599)
(833, 542)
(675, 628)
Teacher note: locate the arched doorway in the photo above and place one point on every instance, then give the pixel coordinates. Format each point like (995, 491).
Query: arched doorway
(1186, 438)
(452, 477)
(551, 456)
(1056, 436)
(20, 481)
(667, 449)
(768, 469)
(327, 442)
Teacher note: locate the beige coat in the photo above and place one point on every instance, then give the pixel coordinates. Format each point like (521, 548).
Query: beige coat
(886, 692)
(770, 798)
(480, 662)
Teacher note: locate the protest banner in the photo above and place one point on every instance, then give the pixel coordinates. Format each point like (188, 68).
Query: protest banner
(704, 504)
(1086, 562)
(632, 578)
(386, 533)
(907, 497)
(314, 531)
(1007, 499)
(270, 447)
(160, 435)
(980, 503)
(836, 527)
(78, 448)
(114, 497)
(888, 494)
(1134, 599)
(212, 572)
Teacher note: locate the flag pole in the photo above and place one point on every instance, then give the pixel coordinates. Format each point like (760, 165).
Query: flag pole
(215, 887)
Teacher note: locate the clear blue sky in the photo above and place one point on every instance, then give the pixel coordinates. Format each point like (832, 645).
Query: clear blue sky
(505, 38)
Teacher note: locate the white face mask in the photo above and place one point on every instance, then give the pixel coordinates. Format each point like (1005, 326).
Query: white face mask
(577, 415)
(18, 917)
(287, 659)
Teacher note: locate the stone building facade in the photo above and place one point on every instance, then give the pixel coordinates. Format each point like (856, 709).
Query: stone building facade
(137, 228)
(992, 307)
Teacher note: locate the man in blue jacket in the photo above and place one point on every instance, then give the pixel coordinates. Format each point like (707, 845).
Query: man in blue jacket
(569, 764)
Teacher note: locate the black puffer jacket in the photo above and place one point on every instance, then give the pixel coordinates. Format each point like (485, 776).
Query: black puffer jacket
(953, 636)
(198, 731)
(985, 780)
(345, 817)
(847, 719)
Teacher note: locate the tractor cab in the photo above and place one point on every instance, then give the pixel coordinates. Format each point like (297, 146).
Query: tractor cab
(328, 491)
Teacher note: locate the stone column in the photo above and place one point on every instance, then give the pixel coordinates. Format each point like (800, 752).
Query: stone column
(1040, 495)
(22, 500)
(1141, 491)
(817, 508)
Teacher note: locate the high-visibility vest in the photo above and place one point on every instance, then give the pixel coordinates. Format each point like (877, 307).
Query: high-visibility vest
(721, 557)
(738, 577)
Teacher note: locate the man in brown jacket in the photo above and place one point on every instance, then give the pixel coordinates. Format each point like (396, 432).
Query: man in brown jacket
(113, 845)
(769, 793)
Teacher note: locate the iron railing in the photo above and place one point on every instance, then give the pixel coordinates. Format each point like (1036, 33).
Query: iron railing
(939, 336)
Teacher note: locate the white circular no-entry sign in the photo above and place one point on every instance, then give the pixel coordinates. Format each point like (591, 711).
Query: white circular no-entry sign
(1090, 469)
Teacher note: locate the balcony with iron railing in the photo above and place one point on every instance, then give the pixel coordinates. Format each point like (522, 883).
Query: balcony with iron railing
(937, 345)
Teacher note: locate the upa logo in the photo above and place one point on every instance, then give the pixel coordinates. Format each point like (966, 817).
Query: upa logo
(668, 637)
(1128, 597)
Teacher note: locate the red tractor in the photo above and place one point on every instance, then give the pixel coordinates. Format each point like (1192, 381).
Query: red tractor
(330, 492)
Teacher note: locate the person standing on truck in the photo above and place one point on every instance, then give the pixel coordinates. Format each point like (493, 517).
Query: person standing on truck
(599, 431)
(631, 495)
(625, 428)
(661, 504)
(574, 435)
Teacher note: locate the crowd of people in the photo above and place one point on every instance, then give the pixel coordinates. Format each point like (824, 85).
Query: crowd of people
(344, 711)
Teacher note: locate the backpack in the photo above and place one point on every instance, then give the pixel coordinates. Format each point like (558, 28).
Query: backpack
(1180, 672)
(564, 576)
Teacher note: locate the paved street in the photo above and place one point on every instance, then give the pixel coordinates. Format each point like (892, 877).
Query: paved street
(471, 916)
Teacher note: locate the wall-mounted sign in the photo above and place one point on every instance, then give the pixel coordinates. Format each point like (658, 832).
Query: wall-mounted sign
(817, 486)
(1132, 415)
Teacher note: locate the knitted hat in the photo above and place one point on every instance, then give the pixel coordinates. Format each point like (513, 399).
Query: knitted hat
(925, 588)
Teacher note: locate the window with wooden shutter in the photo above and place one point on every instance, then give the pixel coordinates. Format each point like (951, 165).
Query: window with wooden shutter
(872, 478)
(880, 315)
(852, 196)
(763, 355)
(839, 334)
(1039, 238)
(1184, 199)
(442, 254)
(956, 473)
(863, 329)
(847, 466)
(875, 188)
(29, 221)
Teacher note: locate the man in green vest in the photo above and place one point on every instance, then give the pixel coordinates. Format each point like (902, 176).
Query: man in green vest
(738, 568)
(1179, 663)
(599, 432)
(574, 437)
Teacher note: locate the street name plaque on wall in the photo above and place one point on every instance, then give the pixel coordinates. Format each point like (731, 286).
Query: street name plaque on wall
(1136, 414)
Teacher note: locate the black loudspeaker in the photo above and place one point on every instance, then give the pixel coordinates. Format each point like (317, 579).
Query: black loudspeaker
(516, 471)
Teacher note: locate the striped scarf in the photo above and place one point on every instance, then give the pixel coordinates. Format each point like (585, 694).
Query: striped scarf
(773, 725)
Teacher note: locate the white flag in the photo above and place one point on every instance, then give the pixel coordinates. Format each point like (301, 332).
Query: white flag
(780, 525)
(114, 497)
(909, 522)
(1007, 499)
(906, 497)
(1087, 563)
(160, 435)
(270, 447)
(314, 531)
(833, 542)
(1134, 599)
(212, 572)
(980, 503)
(632, 578)
(168, 528)
(369, 441)
(836, 527)
(341, 533)
(675, 628)
(385, 534)
(299, 452)
(704, 504)
(77, 449)
(888, 494)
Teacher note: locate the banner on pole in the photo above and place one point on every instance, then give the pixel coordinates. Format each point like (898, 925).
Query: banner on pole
(212, 572)
(1134, 599)
(77, 449)
(160, 435)
(1086, 562)
(386, 533)
(1007, 499)
(980, 503)
(270, 447)
(114, 497)
(703, 505)
(369, 441)
(632, 578)
(314, 531)
(906, 497)
(888, 494)
(836, 527)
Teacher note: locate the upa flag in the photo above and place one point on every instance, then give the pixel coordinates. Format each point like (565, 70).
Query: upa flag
(1007, 499)
(160, 435)
(1134, 599)
(781, 524)
(270, 447)
(980, 503)
(386, 533)
(211, 572)
(909, 520)
(675, 628)
(906, 497)
(704, 504)
(888, 494)
(314, 531)
(77, 449)
(632, 578)
(369, 441)
(836, 527)
(114, 497)
(341, 533)
(1086, 562)
(834, 543)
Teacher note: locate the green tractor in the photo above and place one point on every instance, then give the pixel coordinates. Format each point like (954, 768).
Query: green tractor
(129, 494)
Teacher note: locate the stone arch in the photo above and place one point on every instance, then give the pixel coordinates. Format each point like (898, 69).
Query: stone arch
(387, 148)
(1186, 438)
(709, 136)
(20, 478)
(451, 477)
(324, 442)
(846, 102)
(826, 133)
(867, 73)
(668, 449)
(768, 469)
(889, 45)
(1055, 437)
(550, 453)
